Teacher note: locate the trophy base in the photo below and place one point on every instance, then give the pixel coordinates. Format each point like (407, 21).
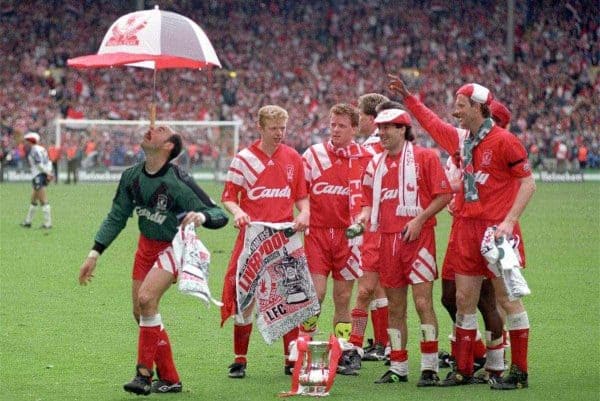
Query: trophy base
(314, 391)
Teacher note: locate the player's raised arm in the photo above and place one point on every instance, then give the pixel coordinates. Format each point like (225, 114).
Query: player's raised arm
(443, 133)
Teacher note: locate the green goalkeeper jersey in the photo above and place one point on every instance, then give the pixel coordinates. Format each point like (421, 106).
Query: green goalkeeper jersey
(159, 200)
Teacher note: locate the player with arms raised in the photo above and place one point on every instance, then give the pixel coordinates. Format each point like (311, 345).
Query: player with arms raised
(497, 186)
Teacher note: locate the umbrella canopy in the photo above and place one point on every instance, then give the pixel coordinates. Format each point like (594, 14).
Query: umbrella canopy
(152, 39)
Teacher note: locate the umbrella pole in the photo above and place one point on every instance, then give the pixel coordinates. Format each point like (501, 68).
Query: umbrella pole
(153, 104)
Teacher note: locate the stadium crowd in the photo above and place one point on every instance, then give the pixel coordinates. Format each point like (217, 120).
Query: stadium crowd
(307, 56)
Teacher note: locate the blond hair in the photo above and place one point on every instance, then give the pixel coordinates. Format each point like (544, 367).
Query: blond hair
(368, 102)
(344, 109)
(271, 112)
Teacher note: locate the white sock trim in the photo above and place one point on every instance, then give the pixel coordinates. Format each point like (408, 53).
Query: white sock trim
(400, 368)
(428, 332)
(518, 321)
(494, 359)
(47, 214)
(429, 362)
(395, 339)
(30, 213)
(150, 321)
(467, 322)
(381, 302)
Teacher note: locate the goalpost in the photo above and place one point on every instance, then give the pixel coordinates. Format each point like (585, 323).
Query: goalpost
(208, 145)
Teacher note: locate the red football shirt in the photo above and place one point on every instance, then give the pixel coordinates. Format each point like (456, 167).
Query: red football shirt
(329, 180)
(431, 182)
(266, 188)
(499, 161)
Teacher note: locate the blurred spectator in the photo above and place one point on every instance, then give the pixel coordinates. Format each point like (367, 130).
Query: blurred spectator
(305, 55)
(561, 154)
(535, 156)
(73, 155)
(54, 154)
(582, 156)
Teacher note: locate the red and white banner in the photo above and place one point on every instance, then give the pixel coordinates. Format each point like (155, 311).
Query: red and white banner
(272, 271)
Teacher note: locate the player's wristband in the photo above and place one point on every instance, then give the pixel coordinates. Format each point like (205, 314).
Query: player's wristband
(93, 254)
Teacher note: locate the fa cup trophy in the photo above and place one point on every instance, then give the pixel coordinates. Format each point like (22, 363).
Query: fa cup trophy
(315, 368)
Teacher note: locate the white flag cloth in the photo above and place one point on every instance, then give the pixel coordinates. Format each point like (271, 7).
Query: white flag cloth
(504, 262)
(192, 260)
(272, 271)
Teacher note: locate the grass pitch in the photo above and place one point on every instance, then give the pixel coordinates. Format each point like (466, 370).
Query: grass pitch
(60, 341)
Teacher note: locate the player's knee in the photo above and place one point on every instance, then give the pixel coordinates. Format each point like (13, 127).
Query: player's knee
(423, 304)
(342, 300)
(396, 315)
(512, 307)
(364, 294)
(462, 300)
(146, 300)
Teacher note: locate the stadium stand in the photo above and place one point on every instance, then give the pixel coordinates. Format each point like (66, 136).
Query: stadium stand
(307, 56)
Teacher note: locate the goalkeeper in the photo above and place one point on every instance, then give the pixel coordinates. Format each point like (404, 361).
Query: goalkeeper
(158, 192)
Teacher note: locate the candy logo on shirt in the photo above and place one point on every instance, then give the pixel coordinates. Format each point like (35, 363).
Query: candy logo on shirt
(265, 193)
(325, 188)
(387, 194)
(155, 217)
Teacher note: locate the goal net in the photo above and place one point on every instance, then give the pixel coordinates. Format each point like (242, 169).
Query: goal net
(106, 147)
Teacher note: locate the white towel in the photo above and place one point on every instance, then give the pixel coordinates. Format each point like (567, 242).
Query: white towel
(504, 261)
(408, 191)
(192, 260)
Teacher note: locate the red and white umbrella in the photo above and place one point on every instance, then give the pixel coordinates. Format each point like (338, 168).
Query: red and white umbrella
(153, 39)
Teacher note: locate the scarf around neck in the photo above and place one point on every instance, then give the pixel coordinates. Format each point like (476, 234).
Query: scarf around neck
(471, 141)
(353, 152)
(408, 191)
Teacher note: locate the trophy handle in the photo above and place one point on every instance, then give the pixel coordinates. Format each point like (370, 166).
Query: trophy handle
(302, 349)
(335, 352)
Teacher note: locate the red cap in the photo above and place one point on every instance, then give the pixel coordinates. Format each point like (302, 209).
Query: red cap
(476, 93)
(500, 112)
(395, 116)
(32, 137)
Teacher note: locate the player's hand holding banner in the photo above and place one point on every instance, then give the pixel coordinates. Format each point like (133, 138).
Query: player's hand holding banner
(272, 270)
